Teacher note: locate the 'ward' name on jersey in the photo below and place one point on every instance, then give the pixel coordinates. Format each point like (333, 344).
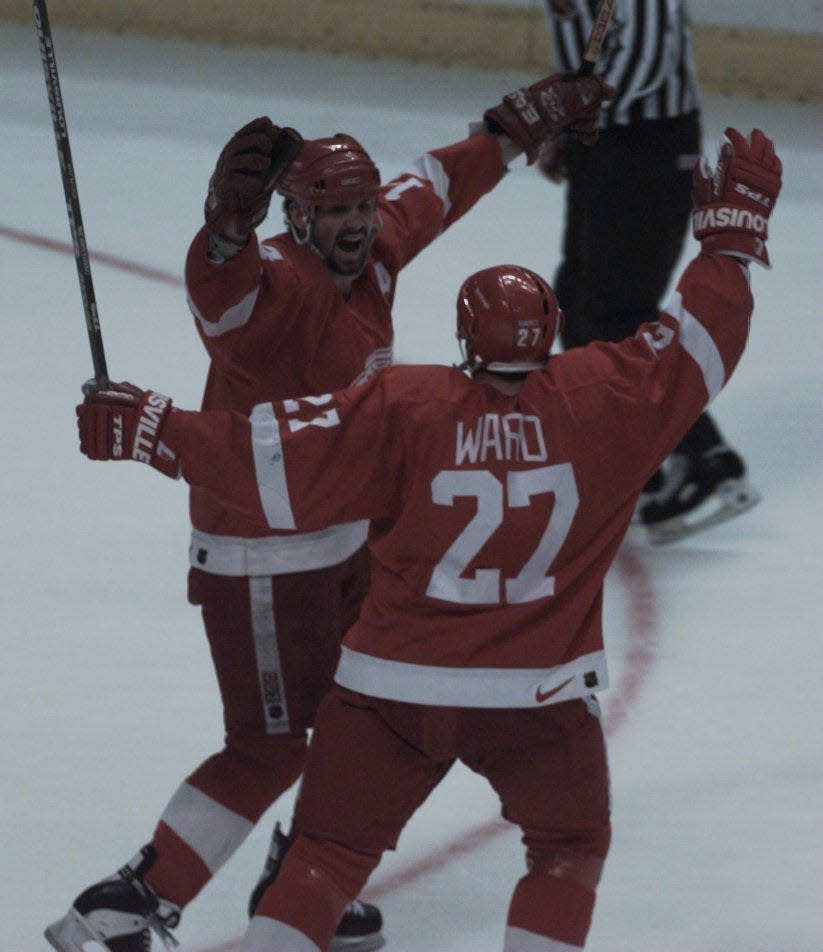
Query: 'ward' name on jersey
(512, 437)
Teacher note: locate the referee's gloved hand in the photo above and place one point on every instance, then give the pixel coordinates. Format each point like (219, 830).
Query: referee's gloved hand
(733, 202)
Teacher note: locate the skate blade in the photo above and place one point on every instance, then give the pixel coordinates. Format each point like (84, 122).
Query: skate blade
(70, 933)
(730, 499)
(364, 943)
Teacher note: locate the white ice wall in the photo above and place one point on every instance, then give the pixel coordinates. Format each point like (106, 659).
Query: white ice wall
(797, 16)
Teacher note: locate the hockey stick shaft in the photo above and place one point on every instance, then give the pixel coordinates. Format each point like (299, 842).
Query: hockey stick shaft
(598, 34)
(61, 136)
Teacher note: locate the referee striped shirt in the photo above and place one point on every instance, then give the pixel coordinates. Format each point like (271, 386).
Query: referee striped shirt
(646, 56)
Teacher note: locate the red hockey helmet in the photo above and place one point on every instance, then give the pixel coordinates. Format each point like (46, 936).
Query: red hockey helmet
(334, 171)
(507, 319)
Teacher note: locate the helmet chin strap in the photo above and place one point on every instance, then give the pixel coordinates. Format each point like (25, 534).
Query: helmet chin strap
(468, 364)
(307, 222)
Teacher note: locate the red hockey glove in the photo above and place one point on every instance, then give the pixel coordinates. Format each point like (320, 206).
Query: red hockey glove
(733, 202)
(244, 178)
(529, 115)
(125, 422)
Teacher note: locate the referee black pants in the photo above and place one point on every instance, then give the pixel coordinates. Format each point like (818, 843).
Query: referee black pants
(628, 210)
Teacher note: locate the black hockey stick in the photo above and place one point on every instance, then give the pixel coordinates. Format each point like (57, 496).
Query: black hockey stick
(598, 34)
(61, 135)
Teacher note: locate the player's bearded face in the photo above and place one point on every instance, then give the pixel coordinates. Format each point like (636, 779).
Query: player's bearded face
(343, 235)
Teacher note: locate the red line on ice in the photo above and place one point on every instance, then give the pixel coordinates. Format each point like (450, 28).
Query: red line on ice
(111, 261)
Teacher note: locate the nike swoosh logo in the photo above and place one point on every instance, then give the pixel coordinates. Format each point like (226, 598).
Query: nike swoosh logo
(541, 696)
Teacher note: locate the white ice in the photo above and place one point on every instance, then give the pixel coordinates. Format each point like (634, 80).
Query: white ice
(107, 689)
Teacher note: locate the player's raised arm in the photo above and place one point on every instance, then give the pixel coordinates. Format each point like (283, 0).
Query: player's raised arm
(241, 187)
(703, 328)
(733, 202)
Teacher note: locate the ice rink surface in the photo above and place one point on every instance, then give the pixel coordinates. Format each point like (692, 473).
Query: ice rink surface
(107, 689)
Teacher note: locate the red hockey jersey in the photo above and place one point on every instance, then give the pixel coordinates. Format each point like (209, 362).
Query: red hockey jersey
(275, 325)
(493, 518)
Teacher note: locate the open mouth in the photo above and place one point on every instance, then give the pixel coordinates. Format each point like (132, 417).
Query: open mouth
(350, 244)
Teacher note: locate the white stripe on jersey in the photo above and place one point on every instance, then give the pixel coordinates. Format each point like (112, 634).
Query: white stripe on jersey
(231, 318)
(430, 169)
(697, 342)
(270, 467)
(377, 360)
(276, 554)
(471, 687)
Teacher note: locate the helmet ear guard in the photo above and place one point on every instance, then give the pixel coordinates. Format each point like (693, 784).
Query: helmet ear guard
(507, 320)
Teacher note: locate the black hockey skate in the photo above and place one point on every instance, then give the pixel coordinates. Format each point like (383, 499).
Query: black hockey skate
(120, 913)
(359, 929)
(651, 491)
(698, 493)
